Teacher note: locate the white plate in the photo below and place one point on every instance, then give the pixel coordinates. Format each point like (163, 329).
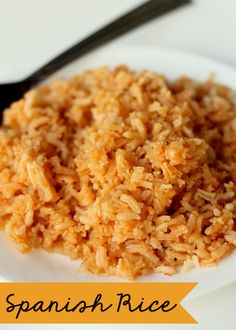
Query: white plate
(42, 266)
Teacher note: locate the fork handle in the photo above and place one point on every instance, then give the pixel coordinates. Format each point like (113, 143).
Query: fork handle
(127, 22)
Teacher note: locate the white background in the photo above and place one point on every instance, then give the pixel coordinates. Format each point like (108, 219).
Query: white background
(32, 32)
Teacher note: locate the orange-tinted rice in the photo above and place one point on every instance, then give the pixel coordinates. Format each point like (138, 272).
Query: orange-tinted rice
(126, 170)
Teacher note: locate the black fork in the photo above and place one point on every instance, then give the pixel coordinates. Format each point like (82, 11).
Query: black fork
(153, 8)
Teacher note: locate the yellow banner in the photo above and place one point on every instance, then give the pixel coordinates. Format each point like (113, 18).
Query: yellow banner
(94, 302)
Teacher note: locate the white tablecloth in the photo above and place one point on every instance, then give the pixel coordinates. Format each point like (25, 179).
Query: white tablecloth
(31, 32)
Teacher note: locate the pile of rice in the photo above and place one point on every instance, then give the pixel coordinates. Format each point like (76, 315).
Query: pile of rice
(126, 170)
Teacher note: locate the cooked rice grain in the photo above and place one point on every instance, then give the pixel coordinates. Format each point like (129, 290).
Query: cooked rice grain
(123, 169)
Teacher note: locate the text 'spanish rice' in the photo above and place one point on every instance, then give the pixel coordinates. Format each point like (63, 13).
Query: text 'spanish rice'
(127, 171)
